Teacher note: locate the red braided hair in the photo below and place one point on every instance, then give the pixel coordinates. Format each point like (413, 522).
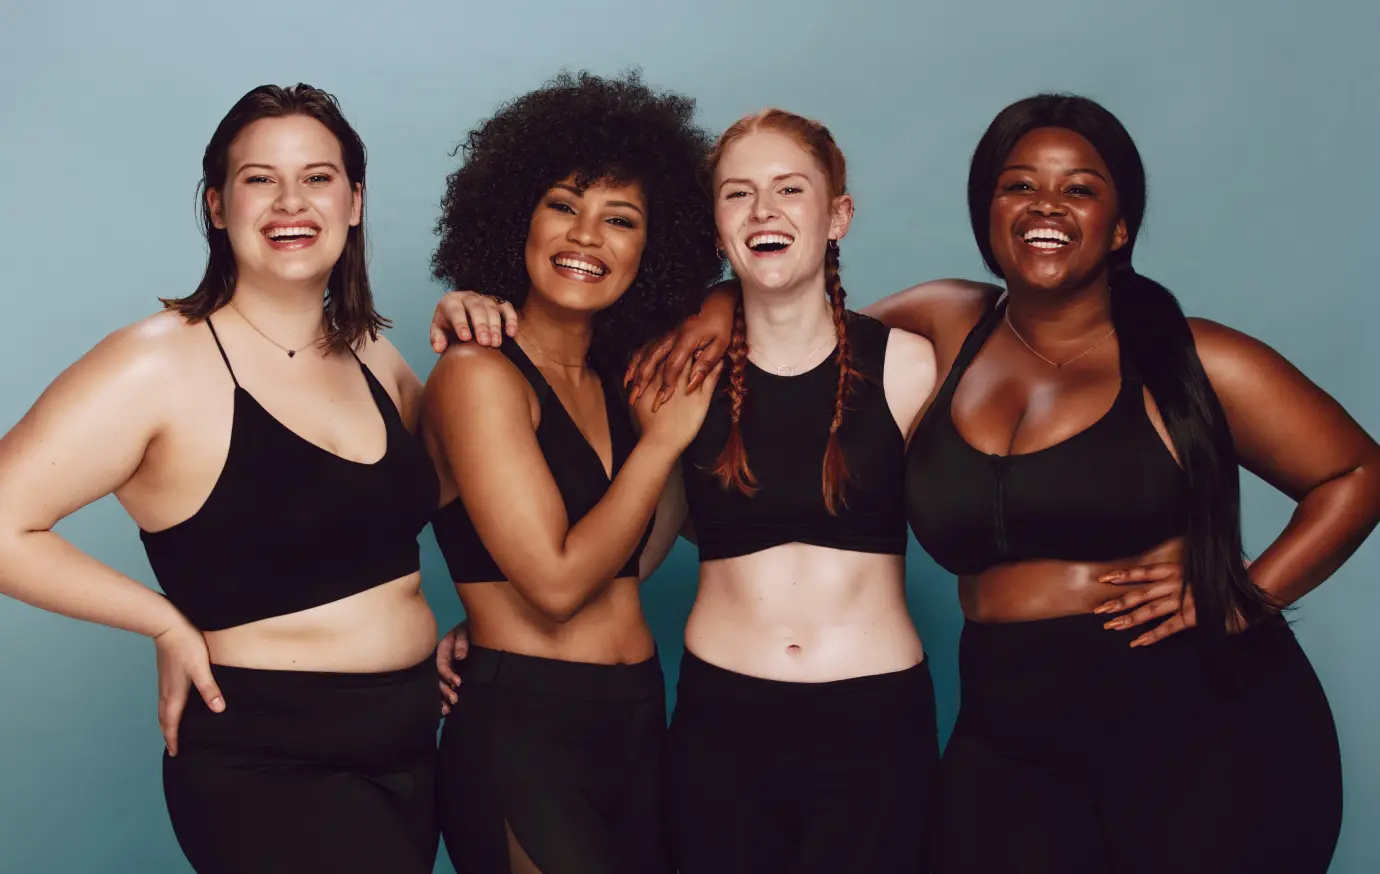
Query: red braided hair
(731, 467)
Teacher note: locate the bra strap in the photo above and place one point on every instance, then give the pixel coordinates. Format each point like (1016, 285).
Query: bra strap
(973, 344)
(527, 367)
(224, 357)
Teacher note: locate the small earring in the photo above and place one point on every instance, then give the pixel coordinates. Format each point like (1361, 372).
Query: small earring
(723, 256)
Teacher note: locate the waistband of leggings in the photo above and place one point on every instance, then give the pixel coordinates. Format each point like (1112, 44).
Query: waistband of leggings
(699, 677)
(270, 679)
(582, 680)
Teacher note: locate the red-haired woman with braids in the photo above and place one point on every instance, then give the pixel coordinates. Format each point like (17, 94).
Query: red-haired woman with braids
(804, 732)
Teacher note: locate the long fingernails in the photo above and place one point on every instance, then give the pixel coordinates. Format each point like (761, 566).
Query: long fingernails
(1116, 624)
(662, 397)
(1140, 641)
(695, 379)
(1110, 578)
(636, 393)
(1105, 608)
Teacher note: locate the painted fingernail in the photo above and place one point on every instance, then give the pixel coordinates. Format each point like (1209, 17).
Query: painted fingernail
(1109, 578)
(1105, 608)
(1115, 625)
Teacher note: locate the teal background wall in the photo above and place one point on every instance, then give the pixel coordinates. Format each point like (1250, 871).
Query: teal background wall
(1258, 122)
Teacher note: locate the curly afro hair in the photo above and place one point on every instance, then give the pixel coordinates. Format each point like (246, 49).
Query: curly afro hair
(594, 128)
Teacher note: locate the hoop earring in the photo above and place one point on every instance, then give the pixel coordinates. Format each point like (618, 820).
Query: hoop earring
(723, 256)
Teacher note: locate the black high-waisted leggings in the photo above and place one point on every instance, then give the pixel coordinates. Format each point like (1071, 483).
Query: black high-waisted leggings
(768, 777)
(307, 772)
(564, 755)
(1076, 754)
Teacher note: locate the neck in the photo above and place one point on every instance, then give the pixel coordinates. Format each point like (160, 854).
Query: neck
(556, 336)
(1052, 317)
(785, 324)
(291, 314)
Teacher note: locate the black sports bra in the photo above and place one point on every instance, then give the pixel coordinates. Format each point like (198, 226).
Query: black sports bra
(1111, 491)
(575, 466)
(785, 428)
(289, 525)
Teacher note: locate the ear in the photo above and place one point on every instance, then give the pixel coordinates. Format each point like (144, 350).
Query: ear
(357, 205)
(214, 204)
(841, 216)
(1120, 236)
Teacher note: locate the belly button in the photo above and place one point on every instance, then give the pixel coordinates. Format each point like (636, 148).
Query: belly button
(793, 649)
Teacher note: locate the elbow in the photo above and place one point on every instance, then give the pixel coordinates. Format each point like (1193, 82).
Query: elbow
(557, 604)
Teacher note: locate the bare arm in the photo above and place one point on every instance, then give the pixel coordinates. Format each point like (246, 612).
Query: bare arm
(83, 439)
(932, 308)
(669, 525)
(1293, 435)
(478, 404)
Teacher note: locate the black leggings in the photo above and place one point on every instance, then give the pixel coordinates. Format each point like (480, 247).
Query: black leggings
(308, 771)
(1076, 754)
(766, 777)
(564, 756)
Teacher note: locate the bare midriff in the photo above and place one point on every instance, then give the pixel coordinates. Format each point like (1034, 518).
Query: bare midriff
(609, 630)
(1025, 591)
(385, 628)
(804, 614)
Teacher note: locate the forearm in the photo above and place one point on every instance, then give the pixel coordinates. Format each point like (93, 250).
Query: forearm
(1329, 524)
(42, 569)
(598, 546)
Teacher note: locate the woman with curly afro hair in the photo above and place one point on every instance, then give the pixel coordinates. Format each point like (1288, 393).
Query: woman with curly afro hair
(580, 203)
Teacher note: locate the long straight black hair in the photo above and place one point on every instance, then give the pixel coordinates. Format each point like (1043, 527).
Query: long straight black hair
(1156, 338)
(348, 309)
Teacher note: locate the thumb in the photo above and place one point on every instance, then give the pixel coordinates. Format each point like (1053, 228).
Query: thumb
(210, 692)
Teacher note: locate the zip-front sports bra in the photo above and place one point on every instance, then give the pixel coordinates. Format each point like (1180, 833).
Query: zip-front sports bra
(289, 525)
(785, 428)
(1111, 491)
(575, 466)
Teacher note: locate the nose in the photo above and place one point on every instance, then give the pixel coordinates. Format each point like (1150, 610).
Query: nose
(764, 207)
(587, 229)
(290, 199)
(1044, 205)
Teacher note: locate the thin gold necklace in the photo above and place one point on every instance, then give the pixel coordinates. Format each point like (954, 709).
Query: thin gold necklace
(789, 370)
(547, 355)
(290, 352)
(1056, 365)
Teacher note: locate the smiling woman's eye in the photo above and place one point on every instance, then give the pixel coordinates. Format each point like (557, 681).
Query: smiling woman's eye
(256, 179)
(1081, 190)
(560, 206)
(1019, 185)
(790, 189)
(318, 178)
(622, 222)
(732, 194)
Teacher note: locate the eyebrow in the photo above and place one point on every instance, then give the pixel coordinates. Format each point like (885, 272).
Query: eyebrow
(578, 193)
(329, 164)
(1074, 172)
(773, 179)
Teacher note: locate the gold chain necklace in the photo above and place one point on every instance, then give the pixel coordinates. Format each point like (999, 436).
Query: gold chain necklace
(789, 370)
(1054, 364)
(548, 356)
(290, 352)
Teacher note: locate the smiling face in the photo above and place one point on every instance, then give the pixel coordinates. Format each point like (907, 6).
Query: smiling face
(287, 204)
(774, 211)
(584, 247)
(1055, 216)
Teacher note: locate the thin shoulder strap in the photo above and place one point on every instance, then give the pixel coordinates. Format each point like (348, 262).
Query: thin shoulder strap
(224, 357)
(526, 367)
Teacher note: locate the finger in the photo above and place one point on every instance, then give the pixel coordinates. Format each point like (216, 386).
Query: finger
(632, 368)
(1172, 625)
(1136, 597)
(448, 695)
(1141, 615)
(651, 361)
(170, 710)
(1143, 574)
(446, 670)
(510, 317)
(706, 360)
(461, 642)
(494, 323)
(210, 692)
(455, 315)
(445, 709)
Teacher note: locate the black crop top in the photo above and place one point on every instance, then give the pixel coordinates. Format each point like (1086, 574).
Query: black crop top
(1111, 491)
(290, 525)
(575, 466)
(785, 428)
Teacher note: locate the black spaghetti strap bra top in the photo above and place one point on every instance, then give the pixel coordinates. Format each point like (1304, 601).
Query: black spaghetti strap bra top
(785, 428)
(575, 466)
(1111, 491)
(289, 525)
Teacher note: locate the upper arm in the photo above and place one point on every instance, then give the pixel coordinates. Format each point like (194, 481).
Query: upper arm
(908, 376)
(87, 434)
(478, 410)
(933, 307)
(1287, 430)
(397, 376)
(670, 518)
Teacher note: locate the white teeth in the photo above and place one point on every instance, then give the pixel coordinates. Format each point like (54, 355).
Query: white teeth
(581, 265)
(1047, 238)
(291, 233)
(767, 239)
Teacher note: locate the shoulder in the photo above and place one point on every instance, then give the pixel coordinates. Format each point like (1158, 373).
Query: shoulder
(909, 351)
(1230, 356)
(471, 368)
(939, 308)
(152, 350)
